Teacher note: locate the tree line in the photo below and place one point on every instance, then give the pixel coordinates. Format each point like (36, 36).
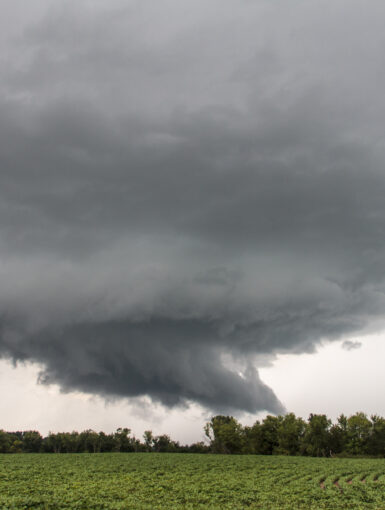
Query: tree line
(89, 441)
(287, 434)
(291, 435)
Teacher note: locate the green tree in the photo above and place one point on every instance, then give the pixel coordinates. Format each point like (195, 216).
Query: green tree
(16, 446)
(252, 438)
(316, 440)
(71, 442)
(122, 440)
(358, 433)
(164, 443)
(32, 441)
(89, 441)
(225, 434)
(199, 447)
(290, 433)
(55, 442)
(5, 441)
(269, 434)
(338, 435)
(376, 440)
(148, 440)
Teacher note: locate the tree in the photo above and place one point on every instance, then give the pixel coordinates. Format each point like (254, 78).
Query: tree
(16, 446)
(107, 442)
(122, 440)
(199, 447)
(316, 438)
(269, 434)
(358, 432)
(89, 441)
(338, 435)
(55, 442)
(32, 441)
(376, 440)
(252, 438)
(71, 442)
(148, 440)
(225, 434)
(290, 433)
(164, 443)
(5, 441)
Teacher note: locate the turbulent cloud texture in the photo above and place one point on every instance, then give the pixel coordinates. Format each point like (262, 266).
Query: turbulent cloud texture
(188, 189)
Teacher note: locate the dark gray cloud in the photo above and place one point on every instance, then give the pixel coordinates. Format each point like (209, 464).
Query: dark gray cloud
(188, 189)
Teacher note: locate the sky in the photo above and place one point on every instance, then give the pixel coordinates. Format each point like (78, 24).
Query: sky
(192, 217)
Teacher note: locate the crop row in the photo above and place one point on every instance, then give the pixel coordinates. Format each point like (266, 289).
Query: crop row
(182, 481)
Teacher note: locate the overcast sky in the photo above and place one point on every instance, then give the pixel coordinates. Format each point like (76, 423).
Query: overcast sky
(191, 205)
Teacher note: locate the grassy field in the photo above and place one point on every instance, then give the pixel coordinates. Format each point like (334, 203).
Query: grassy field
(176, 481)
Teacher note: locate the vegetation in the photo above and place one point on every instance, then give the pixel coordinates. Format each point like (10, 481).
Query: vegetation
(152, 481)
(90, 441)
(275, 435)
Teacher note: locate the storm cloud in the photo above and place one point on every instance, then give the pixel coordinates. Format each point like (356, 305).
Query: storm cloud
(188, 189)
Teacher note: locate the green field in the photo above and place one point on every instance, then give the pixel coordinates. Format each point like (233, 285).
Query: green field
(176, 481)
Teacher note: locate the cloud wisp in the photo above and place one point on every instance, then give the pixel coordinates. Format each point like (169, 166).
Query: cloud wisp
(350, 345)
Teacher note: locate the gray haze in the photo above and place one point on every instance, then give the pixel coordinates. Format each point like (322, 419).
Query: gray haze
(188, 188)
(350, 345)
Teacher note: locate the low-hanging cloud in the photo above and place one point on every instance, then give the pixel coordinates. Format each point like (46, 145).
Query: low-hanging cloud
(182, 190)
(350, 345)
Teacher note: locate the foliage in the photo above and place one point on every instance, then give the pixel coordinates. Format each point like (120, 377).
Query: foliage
(316, 441)
(358, 433)
(225, 434)
(275, 435)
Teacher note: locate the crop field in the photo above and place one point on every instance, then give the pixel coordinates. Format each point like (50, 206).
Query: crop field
(186, 481)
